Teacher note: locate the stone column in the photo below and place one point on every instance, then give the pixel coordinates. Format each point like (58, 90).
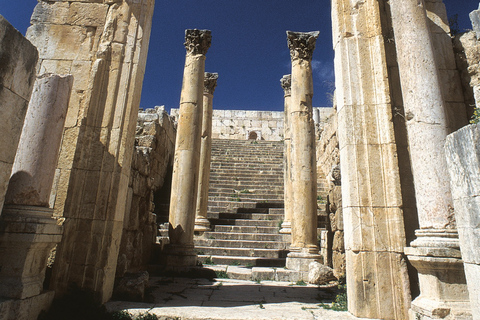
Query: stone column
(435, 253)
(201, 222)
(29, 231)
(104, 45)
(17, 76)
(286, 83)
(368, 96)
(304, 248)
(187, 152)
(463, 158)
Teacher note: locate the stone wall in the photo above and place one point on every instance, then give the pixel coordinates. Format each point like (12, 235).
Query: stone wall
(328, 168)
(154, 150)
(104, 44)
(257, 125)
(18, 58)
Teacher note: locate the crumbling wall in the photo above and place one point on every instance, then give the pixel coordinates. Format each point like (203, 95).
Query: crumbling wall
(153, 155)
(467, 54)
(328, 167)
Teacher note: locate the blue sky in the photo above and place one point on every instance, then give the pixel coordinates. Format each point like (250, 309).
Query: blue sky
(249, 49)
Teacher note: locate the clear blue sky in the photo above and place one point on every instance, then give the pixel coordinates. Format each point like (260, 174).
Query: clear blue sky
(249, 49)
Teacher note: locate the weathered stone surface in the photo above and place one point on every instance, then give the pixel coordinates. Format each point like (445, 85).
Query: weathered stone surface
(105, 45)
(132, 287)
(150, 165)
(319, 274)
(187, 150)
(34, 167)
(286, 83)
(425, 60)
(378, 284)
(463, 157)
(201, 222)
(303, 165)
(17, 76)
(475, 19)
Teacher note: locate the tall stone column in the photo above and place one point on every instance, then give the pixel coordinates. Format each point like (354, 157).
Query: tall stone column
(104, 45)
(435, 253)
(286, 83)
(29, 231)
(201, 222)
(187, 152)
(368, 100)
(304, 248)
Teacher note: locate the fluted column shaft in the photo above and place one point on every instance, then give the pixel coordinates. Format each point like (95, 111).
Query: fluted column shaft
(201, 222)
(187, 148)
(286, 83)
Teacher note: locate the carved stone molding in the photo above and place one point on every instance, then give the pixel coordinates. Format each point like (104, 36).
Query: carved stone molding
(210, 82)
(286, 83)
(301, 44)
(197, 41)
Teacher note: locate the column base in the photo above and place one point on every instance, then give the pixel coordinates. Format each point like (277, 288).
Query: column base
(286, 228)
(201, 225)
(443, 287)
(179, 256)
(28, 235)
(26, 309)
(300, 259)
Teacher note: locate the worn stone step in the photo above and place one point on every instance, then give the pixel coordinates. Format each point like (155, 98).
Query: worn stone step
(227, 243)
(246, 229)
(244, 222)
(241, 198)
(247, 236)
(255, 216)
(241, 252)
(243, 261)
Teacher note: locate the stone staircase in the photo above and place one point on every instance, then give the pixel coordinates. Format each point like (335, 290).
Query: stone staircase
(245, 205)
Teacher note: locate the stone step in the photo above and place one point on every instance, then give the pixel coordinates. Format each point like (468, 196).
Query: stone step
(244, 222)
(243, 261)
(247, 236)
(244, 197)
(255, 216)
(228, 243)
(246, 229)
(241, 252)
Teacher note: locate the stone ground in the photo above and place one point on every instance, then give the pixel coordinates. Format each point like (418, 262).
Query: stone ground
(195, 299)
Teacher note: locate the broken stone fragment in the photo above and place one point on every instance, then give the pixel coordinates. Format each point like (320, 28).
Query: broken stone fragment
(319, 273)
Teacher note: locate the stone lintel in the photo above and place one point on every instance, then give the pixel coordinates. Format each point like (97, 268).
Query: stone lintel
(197, 41)
(302, 44)
(286, 83)
(210, 82)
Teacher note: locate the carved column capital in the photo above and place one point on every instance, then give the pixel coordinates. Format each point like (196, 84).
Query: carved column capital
(197, 41)
(301, 44)
(286, 83)
(210, 82)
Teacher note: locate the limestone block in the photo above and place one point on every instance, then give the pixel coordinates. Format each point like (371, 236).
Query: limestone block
(463, 158)
(87, 14)
(338, 241)
(475, 19)
(132, 287)
(363, 298)
(319, 273)
(50, 12)
(338, 263)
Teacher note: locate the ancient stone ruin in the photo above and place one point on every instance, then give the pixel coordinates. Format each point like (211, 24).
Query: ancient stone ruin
(382, 189)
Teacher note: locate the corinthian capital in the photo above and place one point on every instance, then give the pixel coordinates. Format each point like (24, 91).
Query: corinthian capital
(286, 83)
(197, 41)
(210, 82)
(302, 44)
